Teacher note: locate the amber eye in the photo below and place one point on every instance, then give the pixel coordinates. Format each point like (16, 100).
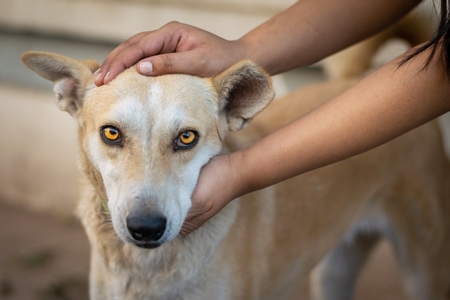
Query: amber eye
(186, 139)
(110, 134)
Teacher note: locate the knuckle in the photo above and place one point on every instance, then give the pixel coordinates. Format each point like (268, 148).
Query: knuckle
(172, 24)
(129, 43)
(134, 39)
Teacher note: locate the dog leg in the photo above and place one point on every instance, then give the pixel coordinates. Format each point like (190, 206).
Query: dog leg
(424, 261)
(335, 276)
(420, 228)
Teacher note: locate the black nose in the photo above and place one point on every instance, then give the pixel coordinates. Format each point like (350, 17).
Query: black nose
(146, 228)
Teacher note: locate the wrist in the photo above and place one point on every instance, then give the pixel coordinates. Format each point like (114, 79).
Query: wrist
(273, 57)
(243, 49)
(240, 174)
(249, 47)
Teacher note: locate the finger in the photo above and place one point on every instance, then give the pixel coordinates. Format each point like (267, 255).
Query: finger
(197, 215)
(162, 64)
(192, 222)
(131, 51)
(190, 62)
(115, 56)
(122, 61)
(145, 44)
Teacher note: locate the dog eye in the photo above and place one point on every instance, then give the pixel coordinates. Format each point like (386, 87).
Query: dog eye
(110, 135)
(186, 140)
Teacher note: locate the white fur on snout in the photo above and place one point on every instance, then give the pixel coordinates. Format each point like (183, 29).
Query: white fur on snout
(183, 186)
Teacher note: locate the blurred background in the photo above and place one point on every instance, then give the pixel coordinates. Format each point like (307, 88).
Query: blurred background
(44, 253)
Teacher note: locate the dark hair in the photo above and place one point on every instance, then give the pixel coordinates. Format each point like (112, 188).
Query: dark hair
(439, 42)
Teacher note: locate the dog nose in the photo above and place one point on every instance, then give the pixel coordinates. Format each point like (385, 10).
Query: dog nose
(148, 228)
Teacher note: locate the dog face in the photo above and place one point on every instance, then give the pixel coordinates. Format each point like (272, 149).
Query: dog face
(147, 138)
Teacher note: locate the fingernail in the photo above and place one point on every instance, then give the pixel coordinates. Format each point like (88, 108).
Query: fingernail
(146, 67)
(97, 74)
(106, 77)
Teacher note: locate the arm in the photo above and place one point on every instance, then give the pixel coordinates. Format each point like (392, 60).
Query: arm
(304, 33)
(379, 108)
(310, 30)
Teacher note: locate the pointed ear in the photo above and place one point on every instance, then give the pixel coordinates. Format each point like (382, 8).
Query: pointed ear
(69, 76)
(244, 90)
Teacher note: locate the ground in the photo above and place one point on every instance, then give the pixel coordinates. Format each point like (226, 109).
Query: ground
(43, 258)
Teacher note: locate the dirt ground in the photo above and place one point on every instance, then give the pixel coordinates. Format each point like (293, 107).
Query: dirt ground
(42, 258)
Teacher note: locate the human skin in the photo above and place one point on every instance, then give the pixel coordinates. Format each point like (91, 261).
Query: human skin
(384, 105)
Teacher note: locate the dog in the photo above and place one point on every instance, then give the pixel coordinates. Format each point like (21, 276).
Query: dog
(143, 141)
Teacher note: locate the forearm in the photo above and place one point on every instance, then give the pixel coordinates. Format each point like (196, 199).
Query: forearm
(381, 107)
(313, 29)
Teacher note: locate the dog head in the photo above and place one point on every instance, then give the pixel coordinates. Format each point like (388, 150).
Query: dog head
(145, 139)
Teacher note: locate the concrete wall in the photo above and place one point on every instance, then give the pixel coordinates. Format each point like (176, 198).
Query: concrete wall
(38, 152)
(116, 20)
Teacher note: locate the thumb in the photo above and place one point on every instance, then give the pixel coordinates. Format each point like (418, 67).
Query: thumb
(189, 62)
(168, 63)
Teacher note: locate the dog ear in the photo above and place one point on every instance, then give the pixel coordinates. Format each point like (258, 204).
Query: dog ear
(244, 90)
(69, 76)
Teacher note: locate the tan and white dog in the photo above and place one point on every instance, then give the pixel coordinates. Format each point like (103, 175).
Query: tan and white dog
(143, 141)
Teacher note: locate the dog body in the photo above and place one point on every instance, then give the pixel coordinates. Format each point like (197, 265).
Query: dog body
(143, 141)
(398, 191)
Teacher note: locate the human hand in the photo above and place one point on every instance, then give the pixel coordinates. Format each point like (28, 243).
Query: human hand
(174, 48)
(218, 185)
